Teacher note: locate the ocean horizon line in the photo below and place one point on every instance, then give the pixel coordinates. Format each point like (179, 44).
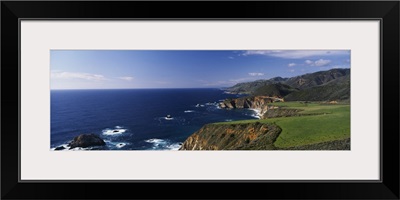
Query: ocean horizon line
(140, 88)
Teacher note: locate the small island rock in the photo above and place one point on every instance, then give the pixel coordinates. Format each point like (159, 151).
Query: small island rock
(59, 148)
(86, 140)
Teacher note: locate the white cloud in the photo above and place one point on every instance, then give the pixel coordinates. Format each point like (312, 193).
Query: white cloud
(318, 63)
(321, 62)
(291, 64)
(126, 78)
(309, 62)
(293, 54)
(71, 75)
(230, 57)
(256, 74)
(292, 70)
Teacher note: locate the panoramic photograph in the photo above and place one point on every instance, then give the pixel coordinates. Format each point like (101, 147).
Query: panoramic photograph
(199, 100)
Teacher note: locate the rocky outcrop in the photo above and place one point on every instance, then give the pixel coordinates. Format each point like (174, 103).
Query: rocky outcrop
(241, 136)
(259, 103)
(86, 140)
(249, 102)
(249, 136)
(59, 148)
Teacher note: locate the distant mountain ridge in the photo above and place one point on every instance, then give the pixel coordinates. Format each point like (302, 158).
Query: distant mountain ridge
(327, 85)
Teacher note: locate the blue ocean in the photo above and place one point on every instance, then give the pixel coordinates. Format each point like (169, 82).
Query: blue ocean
(136, 119)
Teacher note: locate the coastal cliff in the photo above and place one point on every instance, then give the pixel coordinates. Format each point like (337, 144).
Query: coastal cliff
(298, 128)
(258, 103)
(242, 136)
(249, 136)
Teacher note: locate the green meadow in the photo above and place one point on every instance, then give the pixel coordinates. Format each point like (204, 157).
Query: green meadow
(316, 123)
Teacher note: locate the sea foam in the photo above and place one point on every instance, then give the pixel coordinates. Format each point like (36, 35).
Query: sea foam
(66, 148)
(116, 131)
(174, 146)
(257, 113)
(120, 145)
(160, 144)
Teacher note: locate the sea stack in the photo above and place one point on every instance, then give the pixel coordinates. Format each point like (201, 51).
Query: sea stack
(86, 140)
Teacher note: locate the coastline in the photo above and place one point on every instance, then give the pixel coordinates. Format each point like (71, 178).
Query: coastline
(122, 134)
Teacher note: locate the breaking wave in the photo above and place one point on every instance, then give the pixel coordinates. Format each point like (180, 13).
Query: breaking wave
(160, 144)
(116, 131)
(66, 148)
(256, 113)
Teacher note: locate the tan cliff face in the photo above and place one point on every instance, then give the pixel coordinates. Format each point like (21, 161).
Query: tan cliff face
(259, 103)
(249, 136)
(233, 137)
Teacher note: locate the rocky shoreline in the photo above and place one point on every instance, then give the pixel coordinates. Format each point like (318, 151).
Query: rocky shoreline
(240, 136)
(256, 103)
(83, 141)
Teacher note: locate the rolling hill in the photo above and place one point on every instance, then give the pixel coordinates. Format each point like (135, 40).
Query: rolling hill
(328, 85)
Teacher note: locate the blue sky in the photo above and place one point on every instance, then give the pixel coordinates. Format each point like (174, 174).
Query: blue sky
(116, 69)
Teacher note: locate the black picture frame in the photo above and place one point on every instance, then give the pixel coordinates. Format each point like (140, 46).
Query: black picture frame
(386, 11)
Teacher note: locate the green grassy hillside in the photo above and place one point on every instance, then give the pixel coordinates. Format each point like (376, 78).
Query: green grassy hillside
(320, 123)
